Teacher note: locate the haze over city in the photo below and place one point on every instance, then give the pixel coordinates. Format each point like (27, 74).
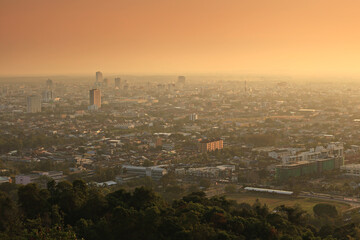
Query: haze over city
(179, 120)
(307, 37)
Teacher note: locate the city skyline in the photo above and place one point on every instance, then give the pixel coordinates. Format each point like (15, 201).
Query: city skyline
(158, 119)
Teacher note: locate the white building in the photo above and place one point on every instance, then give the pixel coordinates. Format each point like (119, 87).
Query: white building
(193, 117)
(208, 172)
(154, 172)
(351, 169)
(334, 149)
(4, 179)
(222, 171)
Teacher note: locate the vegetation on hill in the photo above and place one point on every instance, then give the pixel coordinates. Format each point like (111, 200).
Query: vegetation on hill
(79, 211)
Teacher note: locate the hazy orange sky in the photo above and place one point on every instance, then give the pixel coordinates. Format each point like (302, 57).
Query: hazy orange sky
(180, 36)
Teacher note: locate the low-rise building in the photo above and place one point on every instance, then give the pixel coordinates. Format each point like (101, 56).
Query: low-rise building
(4, 179)
(351, 169)
(34, 177)
(209, 145)
(156, 173)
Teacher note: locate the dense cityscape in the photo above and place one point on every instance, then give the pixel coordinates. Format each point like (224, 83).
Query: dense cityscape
(178, 135)
(179, 120)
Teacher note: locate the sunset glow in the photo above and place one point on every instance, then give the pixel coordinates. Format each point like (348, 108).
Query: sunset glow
(180, 36)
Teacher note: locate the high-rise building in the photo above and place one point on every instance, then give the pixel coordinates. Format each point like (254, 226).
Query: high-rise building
(33, 104)
(105, 82)
(99, 77)
(181, 81)
(118, 82)
(49, 84)
(47, 96)
(95, 98)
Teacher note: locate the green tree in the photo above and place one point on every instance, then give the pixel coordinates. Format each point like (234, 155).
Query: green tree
(9, 217)
(33, 201)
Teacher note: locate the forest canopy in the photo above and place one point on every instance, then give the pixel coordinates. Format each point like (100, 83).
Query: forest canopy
(77, 210)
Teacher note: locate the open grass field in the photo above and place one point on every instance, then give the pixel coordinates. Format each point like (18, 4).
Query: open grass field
(276, 200)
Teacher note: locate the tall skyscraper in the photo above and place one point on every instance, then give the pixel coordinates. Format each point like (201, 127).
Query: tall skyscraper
(99, 77)
(33, 104)
(118, 82)
(95, 98)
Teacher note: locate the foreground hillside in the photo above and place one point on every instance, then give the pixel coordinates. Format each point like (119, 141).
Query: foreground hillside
(75, 211)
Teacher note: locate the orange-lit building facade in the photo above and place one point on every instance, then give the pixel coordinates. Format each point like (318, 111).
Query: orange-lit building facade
(209, 145)
(95, 98)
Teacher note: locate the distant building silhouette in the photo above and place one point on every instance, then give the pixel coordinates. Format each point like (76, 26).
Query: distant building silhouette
(49, 84)
(99, 77)
(105, 82)
(181, 81)
(33, 104)
(118, 82)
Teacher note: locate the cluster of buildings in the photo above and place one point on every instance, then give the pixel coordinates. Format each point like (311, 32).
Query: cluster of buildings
(315, 161)
(33, 102)
(225, 172)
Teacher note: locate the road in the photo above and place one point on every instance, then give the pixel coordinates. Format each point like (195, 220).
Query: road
(354, 202)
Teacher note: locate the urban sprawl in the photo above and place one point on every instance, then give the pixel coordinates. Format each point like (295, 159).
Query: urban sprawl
(190, 133)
